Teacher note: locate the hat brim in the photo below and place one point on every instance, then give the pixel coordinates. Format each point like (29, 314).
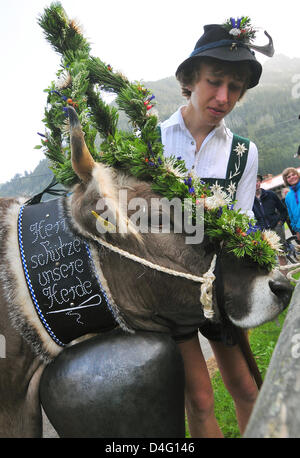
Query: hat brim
(237, 54)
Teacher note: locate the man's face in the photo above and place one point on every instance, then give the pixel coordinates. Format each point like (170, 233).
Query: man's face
(258, 183)
(215, 94)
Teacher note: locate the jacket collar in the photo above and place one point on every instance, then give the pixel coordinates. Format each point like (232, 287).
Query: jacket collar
(296, 187)
(263, 193)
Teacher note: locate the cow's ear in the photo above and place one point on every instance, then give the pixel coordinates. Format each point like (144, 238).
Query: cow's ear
(101, 189)
(82, 161)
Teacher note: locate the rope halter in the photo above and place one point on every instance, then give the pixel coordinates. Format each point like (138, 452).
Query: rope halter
(206, 289)
(293, 268)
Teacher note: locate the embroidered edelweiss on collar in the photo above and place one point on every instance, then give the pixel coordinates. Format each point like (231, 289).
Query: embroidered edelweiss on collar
(231, 189)
(240, 149)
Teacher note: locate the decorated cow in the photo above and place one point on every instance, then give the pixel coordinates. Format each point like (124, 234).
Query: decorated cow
(136, 245)
(62, 277)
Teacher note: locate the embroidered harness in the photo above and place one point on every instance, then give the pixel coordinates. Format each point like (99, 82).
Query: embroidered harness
(60, 274)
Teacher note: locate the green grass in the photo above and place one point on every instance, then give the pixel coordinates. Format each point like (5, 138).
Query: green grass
(262, 340)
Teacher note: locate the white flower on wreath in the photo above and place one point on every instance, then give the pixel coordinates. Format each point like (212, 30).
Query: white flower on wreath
(218, 199)
(193, 175)
(272, 239)
(171, 168)
(216, 188)
(240, 149)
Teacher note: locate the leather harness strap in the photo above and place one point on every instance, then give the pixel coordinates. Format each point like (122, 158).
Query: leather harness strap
(60, 274)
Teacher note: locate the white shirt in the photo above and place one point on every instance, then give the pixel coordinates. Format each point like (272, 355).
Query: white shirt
(212, 159)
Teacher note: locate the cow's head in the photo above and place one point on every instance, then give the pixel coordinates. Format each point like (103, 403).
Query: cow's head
(252, 295)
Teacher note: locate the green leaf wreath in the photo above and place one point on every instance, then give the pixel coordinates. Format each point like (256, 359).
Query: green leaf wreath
(81, 82)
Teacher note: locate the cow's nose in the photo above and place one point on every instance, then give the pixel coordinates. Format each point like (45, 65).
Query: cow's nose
(282, 289)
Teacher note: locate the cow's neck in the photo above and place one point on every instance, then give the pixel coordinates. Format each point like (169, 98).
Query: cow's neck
(143, 289)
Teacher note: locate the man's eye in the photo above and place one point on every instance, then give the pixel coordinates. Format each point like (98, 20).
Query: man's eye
(213, 82)
(235, 87)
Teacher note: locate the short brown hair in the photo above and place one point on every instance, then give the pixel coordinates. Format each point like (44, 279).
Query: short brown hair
(286, 172)
(190, 74)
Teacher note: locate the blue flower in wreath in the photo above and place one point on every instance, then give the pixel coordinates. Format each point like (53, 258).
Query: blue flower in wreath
(219, 212)
(252, 229)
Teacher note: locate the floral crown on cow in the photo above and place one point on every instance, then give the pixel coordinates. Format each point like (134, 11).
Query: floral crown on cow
(81, 83)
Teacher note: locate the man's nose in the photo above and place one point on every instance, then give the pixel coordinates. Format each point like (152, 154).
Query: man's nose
(222, 94)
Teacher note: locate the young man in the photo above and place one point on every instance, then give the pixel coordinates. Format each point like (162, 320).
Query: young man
(215, 76)
(270, 213)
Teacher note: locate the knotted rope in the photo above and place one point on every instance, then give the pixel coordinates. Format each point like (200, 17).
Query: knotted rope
(293, 268)
(206, 280)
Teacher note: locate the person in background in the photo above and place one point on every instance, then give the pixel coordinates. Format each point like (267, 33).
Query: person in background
(291, 179)
(270, 213)
(283, 194)
(298, 152)
(213, 78)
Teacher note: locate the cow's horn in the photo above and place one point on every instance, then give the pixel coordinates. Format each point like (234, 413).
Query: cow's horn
(82, 161)
(267, 50)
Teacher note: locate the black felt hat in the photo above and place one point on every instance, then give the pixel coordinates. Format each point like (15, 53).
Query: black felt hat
(218, 43)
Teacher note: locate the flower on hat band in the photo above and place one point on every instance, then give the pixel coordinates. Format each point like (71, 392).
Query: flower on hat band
(240, 28)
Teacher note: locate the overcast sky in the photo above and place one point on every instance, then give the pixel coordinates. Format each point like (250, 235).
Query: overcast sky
(146, 40)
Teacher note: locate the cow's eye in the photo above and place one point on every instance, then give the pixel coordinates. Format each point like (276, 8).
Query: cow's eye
(156, 220)
(160, 221)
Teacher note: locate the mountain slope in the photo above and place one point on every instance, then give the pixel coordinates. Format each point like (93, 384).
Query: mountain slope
(268, 115)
